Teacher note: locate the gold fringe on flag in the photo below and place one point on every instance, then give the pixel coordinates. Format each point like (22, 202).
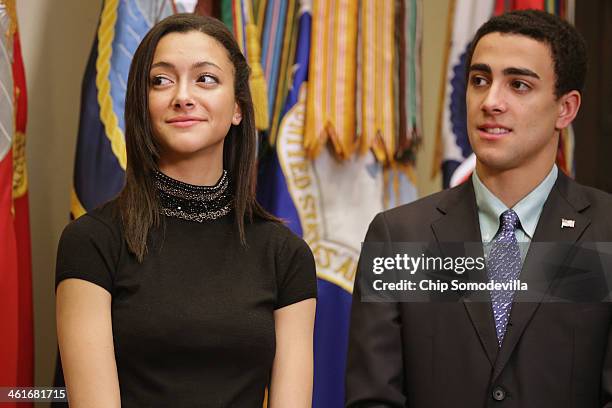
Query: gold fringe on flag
(11, 11)
(391, 178)
(20, 170)
(330, 112)
(378, 108)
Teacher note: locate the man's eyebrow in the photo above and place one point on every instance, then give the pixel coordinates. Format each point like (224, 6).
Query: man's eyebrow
(480, 67)
(520, 71)
(200, 64)
(507, 71)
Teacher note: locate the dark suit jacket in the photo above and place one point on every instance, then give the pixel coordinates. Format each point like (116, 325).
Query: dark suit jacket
(445, 354)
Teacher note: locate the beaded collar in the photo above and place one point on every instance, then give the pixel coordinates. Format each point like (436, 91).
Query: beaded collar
(193, 203)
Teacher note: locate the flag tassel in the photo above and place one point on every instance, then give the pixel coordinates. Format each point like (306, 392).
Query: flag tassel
(257, 82)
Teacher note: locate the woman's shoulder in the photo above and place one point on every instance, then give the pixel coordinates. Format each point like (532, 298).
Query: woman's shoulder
(280, 241)
(294, 262)
(103, 221)
(275, 232)
(90, 248)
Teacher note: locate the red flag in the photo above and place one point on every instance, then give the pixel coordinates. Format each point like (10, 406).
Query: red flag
(501, 6)
(8, 277)
(16, 340)
(25, 374)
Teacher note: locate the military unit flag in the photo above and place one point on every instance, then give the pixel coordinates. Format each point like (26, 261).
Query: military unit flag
(16, 341)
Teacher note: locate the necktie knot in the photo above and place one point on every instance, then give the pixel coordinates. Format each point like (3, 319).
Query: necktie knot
(509, 221)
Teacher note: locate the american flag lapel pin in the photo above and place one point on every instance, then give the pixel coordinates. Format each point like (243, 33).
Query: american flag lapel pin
(567, 223)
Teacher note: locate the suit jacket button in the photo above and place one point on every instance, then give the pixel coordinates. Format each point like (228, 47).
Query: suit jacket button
(499, 394)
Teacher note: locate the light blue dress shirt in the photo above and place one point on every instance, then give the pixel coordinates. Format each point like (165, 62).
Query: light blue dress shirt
(528, 210)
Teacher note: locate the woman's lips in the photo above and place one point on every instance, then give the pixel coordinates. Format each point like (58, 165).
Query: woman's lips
(184, 123)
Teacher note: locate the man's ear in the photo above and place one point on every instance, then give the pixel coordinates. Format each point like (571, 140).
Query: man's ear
(568, 109)
(237, 118)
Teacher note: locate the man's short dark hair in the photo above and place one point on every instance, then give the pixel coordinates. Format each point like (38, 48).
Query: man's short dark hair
(567, 46)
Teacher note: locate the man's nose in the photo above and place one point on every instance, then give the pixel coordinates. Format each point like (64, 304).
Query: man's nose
(494, 101)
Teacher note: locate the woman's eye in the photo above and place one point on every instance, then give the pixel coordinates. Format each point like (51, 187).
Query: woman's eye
(208, 79)
(159, 80)
(520, 86)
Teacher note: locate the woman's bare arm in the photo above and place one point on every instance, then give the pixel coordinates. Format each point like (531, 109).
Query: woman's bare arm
(292, 370)
(85, 337)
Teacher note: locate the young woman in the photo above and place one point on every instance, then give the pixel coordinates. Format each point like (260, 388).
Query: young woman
(183, 291)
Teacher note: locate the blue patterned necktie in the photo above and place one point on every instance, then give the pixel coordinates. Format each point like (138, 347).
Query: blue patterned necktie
(504, 265)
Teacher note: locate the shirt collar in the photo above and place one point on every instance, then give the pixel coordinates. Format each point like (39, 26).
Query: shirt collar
(528, 209)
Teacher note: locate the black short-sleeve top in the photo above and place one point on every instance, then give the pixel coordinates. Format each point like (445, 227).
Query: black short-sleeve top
(193, 324)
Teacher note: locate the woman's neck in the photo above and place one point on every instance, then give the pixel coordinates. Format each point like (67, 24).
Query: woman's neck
(200, 174)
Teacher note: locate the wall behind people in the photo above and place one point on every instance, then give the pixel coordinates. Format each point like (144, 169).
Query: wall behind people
(56, 39)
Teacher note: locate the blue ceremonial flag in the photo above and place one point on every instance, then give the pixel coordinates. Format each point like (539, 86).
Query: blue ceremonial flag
(288, 169)
(334, 300)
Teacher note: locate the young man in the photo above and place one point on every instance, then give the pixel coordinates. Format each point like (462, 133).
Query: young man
(526, 70)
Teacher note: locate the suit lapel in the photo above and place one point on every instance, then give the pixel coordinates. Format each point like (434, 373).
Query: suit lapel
(459, 225)
(563, 202)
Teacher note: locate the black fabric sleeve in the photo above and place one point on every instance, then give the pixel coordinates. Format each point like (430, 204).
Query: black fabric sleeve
(296, 274)
(89, 250)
